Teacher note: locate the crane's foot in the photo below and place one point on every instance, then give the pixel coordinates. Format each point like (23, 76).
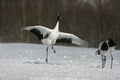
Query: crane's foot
(46, 60)
(54, 51)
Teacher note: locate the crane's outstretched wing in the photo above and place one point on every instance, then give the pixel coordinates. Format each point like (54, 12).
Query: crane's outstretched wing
(70, 38)
(40, 31)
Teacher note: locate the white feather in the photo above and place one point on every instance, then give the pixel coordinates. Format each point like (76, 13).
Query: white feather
(42, 29)
(75, 40)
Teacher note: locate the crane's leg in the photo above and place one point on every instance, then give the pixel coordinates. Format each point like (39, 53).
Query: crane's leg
(53, 49)
(47, 54)
(111, 60)
(103, 60)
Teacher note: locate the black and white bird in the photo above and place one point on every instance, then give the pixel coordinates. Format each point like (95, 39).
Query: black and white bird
(51, 36)
(106, 47)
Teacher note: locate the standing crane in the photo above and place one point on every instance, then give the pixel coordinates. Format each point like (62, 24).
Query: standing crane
(106, 47)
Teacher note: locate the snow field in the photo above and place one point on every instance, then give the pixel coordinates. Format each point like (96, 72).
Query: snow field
(22, 61)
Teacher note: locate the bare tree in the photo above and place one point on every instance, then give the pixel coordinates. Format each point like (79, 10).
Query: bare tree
(93, 21)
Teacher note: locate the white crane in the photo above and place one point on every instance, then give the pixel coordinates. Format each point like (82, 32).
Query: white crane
(106, 47)
(51, 36)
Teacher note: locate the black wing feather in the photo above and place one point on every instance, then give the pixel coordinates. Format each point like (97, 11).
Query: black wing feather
(104, 46)
(64, 40)
(111, 43)
(37, 33)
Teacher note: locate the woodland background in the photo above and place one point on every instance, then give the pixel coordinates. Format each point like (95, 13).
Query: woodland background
(91, 20)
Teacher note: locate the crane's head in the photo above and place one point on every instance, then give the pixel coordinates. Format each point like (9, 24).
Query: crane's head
(97, 52)
(58, 17)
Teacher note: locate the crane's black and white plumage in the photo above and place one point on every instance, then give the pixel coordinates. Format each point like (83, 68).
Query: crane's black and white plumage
(51, 36)
(106, 47)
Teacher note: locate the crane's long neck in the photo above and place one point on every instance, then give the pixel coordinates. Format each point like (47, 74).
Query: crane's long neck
(57, 26)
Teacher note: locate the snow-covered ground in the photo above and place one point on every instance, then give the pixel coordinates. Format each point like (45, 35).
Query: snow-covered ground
(26, 62)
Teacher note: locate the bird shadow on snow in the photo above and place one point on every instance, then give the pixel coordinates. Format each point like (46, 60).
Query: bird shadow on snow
(96, 66)
(37, 62)
(53, 63)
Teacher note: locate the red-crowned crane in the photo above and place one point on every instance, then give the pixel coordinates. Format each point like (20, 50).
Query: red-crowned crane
(51, 36)
(106, 47)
